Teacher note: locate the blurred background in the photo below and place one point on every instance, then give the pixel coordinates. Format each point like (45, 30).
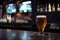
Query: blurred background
(16, 15)
(23, 13)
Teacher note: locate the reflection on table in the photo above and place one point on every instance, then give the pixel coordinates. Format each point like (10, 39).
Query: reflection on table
(8, 34)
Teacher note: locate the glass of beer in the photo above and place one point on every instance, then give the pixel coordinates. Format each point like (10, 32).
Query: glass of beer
(41, 21)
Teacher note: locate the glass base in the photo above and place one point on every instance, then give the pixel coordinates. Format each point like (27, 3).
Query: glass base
(41, 36)
(33, 34)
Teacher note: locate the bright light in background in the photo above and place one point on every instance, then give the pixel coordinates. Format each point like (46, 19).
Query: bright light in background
(26, 2)
(10, 8)
(25, 7)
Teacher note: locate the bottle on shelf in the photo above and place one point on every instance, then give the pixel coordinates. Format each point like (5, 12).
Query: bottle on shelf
(58, 7)
(53, 7)
(38, 8)
(46, 8)
(49, 7)
(9, 18)
(41, 8)
(1, 10)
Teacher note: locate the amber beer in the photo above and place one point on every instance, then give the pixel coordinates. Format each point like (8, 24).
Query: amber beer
(41, 22)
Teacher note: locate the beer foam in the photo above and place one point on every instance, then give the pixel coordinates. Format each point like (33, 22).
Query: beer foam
(38, 16)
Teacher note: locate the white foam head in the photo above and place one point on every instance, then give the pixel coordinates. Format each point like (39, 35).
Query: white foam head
(41, 16)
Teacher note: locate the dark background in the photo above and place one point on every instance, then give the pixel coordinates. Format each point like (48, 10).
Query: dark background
(51, 16)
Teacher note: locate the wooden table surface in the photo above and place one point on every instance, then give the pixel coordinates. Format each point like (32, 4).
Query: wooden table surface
(7, 34)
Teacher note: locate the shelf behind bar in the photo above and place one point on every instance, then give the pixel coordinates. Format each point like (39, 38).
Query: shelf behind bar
(29, 27)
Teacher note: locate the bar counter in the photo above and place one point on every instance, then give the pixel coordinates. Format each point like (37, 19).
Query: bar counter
(8, 34)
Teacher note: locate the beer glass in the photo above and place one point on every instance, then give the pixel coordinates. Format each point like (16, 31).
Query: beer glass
(41, 21)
